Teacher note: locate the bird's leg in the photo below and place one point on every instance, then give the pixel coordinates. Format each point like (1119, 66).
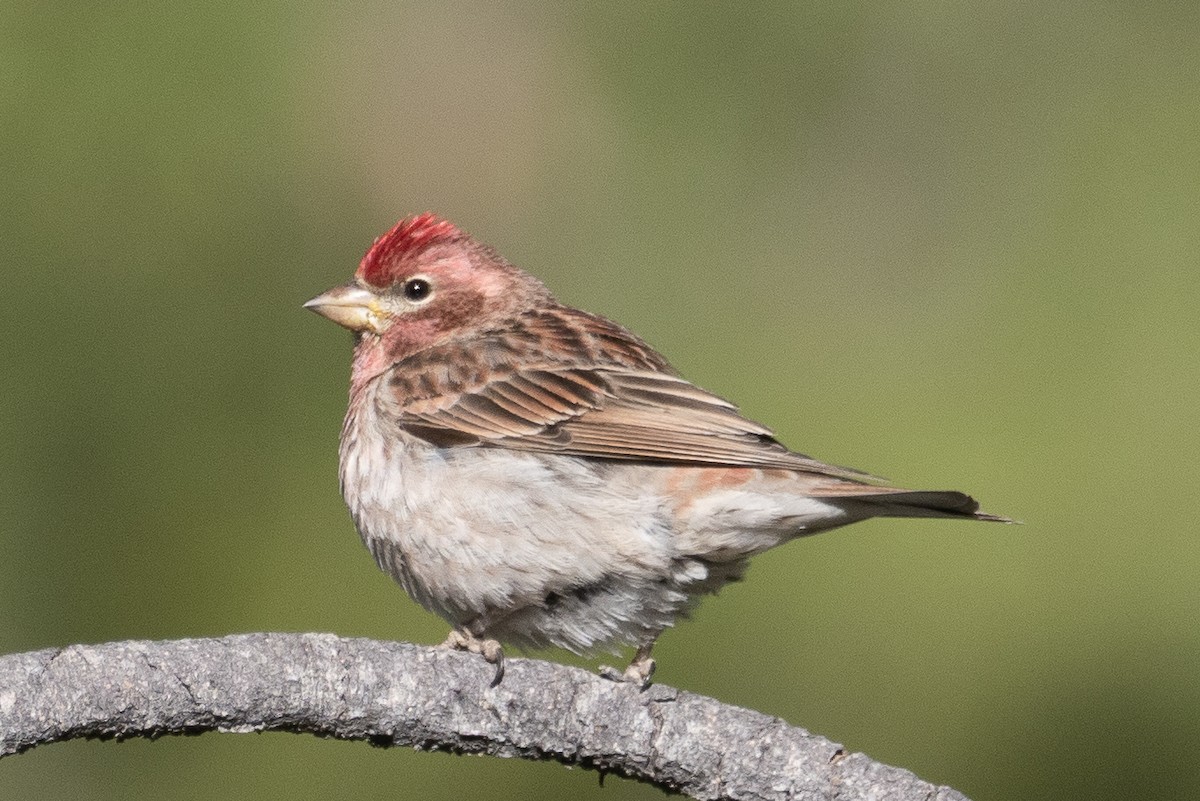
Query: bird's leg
(639, 671)
(461, 639)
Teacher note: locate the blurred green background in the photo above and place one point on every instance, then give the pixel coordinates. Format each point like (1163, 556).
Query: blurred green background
(952, 244)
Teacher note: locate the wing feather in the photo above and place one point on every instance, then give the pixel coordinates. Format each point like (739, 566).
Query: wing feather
(608, 412)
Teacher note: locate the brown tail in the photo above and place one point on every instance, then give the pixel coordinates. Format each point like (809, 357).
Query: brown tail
(874, 501)
(933, 503)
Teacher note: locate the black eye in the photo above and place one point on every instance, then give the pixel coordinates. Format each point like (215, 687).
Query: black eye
(416, 289)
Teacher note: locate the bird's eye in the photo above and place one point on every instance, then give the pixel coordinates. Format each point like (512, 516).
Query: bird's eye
(416, 289)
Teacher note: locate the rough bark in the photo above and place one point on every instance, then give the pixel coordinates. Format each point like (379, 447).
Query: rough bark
(400, 694)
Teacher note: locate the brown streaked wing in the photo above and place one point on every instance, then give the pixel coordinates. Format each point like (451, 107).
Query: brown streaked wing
(608, 413)
(522, 404)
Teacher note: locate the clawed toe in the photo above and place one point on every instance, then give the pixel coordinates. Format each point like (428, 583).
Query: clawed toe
(491, 650)
(638, 673)
(457, 641)
(611, 673)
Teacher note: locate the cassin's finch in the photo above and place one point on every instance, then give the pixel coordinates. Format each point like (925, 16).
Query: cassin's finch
(538, 475)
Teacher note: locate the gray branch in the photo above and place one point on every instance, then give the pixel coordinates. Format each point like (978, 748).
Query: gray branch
(400, 694)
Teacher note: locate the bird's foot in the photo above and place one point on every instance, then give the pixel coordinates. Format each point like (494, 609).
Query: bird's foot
(490, 650)
(638, 673)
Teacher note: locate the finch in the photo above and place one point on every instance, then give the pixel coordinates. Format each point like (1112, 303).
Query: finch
(540, 476)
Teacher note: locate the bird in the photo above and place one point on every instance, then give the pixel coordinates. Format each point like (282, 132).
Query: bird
(539, 476)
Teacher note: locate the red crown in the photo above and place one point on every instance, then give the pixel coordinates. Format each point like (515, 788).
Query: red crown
(406, 239)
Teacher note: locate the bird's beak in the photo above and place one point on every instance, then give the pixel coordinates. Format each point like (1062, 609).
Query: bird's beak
(349, 306)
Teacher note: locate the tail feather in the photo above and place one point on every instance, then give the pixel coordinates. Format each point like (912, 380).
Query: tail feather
(933, 503)
(891, 502)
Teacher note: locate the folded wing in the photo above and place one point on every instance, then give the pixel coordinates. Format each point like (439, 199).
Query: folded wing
(603, 412)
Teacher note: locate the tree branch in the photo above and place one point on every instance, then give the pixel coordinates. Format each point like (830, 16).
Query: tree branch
(400, 694)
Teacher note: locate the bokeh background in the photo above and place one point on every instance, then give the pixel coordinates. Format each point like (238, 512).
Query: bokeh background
(952, 244)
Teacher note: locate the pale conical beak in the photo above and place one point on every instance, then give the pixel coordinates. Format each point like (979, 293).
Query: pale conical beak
(349, 306)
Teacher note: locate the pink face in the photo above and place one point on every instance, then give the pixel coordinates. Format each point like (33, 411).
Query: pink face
(424, 283)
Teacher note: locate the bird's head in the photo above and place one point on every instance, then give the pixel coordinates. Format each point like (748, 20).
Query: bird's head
(424, 283)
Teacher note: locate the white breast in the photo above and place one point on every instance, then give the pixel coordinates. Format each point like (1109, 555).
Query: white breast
(472, 532)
